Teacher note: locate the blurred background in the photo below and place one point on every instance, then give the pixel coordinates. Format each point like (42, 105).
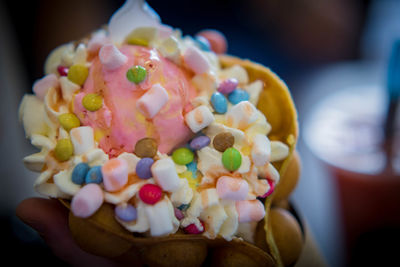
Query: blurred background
(333, 55)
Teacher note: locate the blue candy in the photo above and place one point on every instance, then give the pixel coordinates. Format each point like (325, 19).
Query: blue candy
(192, 166)
(219, 102)
(143, 168)
(237, 96)
(94, 175)
(126, 212)
(202, 43)
(199, 142)
(184, 207)
(79, 173)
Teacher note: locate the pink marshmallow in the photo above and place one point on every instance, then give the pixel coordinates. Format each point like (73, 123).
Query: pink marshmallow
(115, 174)
(232, 188)
(87, 201)
(195, 60)
(250, 210)
(111, 58)
(41, 86)
(152, 101)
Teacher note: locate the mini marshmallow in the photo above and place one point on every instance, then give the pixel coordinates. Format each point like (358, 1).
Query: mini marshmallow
(199, 118)
(40, 87)
(159, 218)
(250, 210)
(209, 198)
(111, 58)
(115, 174)
(165, 175)
(87, 201)
(279, 151)
(237, 72)
(80, 55)
(261, 150)
(82, 138)
(232, 188)
(152, 101)
(195, 60)
(241, 115)
(131, 159)
(98, 39)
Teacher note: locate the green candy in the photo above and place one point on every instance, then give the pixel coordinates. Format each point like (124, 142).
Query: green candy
(136, 74)
(231, 159)
(182, 156)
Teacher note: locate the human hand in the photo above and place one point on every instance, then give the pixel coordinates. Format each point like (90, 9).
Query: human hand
(50, 219)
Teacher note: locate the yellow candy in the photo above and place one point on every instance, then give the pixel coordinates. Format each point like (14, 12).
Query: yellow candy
(193, 182)
(78, 74)
(69, 121)
(64, 150)
(141, 36)
(92, 102)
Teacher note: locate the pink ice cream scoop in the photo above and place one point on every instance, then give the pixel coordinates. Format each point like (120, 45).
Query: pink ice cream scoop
(121, 121)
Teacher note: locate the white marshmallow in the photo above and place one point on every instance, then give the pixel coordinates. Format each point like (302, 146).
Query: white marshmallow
(111, 58)
(250, 210)
(237, 72)
(254, 89)
(83, 139)
(241, 115)
(165, 175)
(80, 55)
(268, 171)
(195, 60)
(159, 218)
(261, 150)
(232, 188)
(214, 218)
(152, 101)
(40, 87)
(169, 48)
(115, 174)
(132, 160)
(68, 88)
(199, 118)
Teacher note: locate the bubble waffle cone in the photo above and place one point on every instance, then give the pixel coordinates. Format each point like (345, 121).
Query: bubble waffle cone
(102, 235)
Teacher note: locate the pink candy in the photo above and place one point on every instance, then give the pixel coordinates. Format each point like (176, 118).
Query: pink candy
(250, 210)
(115, 174)
(232, 188)
(111, 58)
(152, 101)
(150, 193)
(195, 60)
(193, 230)
(87, 201)
(41, 86)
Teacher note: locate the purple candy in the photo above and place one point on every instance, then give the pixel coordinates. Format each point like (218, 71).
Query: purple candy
(199, 142)
(178, 214)
(125, 212)
(228, 85)
(143, 168)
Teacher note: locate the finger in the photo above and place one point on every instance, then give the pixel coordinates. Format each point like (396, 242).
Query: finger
(50, 219)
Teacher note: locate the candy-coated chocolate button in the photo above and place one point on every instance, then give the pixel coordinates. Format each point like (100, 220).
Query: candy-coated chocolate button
(192, 167)
(150, 193)
(237, 96)
(125, 212)
(143, 168)
(69, 121)
(219, 103)
(64, 149)
(78, 74)
(79, 173)
(193, 230)
(178, 214)
(202, 43)
(94, 175)
(231, 159)
(227, 86)
(146, 148)
(92, 102)
(199, 142)
(223, 141)
(137, 74)
(182, 156)
(63, 71)
(216, 39)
